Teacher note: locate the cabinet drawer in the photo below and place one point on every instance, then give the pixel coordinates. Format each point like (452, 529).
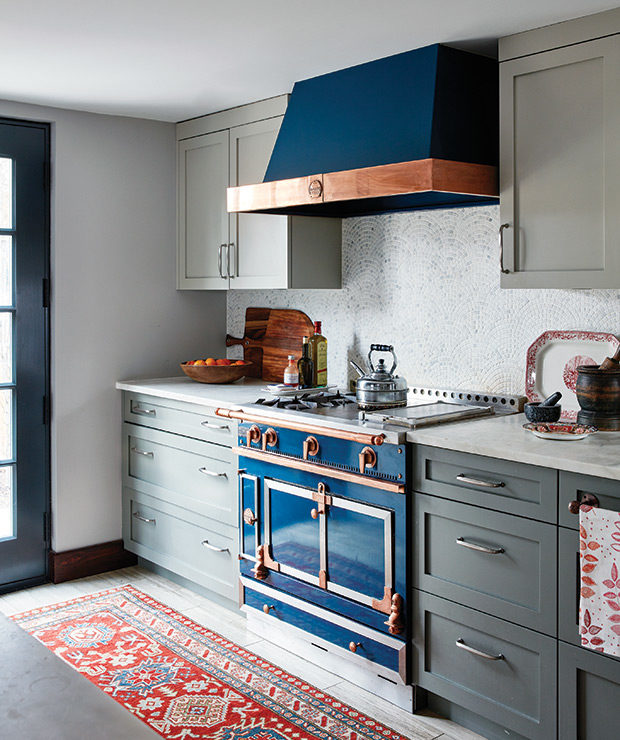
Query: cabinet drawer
(188, 419)
(339, 631)
(198, 549)
(199, 476)
(512, 487)
(573, 486)
(589, 686)
(518, 690)
(456, 553)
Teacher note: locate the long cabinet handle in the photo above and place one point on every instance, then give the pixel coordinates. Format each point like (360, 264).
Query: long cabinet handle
(480, 548)
(143, 412)
(146, 453)
(461, 644)
(206, 471)
(143, 518)
(479, 482)
(220, 259)
(208, 545)
(211, 425)
(501, 248)
(231, 249)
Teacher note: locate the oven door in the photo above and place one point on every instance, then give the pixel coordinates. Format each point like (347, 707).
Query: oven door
(340, 544)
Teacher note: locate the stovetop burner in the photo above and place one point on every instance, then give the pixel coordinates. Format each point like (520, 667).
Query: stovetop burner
(316, 400)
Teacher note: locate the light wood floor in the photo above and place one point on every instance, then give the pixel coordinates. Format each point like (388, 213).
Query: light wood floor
(232, 626)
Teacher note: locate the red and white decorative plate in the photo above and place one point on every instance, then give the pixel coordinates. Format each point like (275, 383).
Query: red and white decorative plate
(553, 359)
(560, 431)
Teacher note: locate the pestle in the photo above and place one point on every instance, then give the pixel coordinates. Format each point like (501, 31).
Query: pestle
(552, 399)
(611, 363)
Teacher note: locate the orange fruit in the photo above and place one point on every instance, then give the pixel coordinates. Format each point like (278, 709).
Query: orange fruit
(239, 362)
(210, 361)
(222, 362)
(199, 362)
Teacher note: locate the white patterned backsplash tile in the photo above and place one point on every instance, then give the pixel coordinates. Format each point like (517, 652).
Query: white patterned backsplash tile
(428, 283)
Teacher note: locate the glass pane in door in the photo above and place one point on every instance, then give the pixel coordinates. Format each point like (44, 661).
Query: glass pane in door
(6, 270)
(7, 517)
(6, 193)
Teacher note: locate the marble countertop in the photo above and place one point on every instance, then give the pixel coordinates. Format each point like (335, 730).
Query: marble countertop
(496, 436)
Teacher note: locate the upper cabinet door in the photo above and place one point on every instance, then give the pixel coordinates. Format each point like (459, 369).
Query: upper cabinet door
(202, 218)
(259, 243)
(560, 167)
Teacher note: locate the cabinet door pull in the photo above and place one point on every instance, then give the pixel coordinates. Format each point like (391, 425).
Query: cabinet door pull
(479, 548)
(478, 482)
(146, 453)
(208, 545)
(142, 411)
(143, 518)
(220, 260)
(206, 471)
(501, 248)
(231, 250)
(460, 644)
(211, 425)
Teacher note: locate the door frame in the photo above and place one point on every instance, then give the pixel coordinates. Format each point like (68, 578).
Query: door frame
(46, 129)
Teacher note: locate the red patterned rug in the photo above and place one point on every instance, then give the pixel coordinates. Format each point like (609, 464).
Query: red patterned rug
(185, 681)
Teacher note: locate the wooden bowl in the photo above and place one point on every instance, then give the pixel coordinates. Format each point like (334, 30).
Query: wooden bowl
(215, 373)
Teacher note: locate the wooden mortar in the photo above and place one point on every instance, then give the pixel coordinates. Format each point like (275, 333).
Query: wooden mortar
(598, 394)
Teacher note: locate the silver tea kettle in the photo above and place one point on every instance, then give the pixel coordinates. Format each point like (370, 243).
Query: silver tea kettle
(380, 388)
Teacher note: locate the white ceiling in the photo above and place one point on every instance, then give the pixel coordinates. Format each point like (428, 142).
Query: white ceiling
(172, 60)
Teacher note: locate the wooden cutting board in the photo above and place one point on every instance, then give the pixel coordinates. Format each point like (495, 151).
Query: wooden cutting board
(269, 337)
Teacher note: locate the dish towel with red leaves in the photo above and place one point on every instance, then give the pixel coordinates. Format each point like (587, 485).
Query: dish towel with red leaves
(599, 608)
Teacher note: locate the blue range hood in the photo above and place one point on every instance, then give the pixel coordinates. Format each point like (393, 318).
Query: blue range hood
(414, 130)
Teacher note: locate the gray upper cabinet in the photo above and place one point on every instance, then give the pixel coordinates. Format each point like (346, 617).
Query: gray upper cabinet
(560, 159)
(217, 250)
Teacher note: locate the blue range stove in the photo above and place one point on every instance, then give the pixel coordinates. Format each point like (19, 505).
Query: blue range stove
(323, 551)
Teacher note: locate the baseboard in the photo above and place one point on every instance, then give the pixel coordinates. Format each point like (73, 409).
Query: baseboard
(88, 561)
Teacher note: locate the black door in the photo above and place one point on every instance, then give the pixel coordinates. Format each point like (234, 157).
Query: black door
(24, 352)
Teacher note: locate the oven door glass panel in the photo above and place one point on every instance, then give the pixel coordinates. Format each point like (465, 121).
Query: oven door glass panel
(359, 550)
(290, 531)
(248, 498)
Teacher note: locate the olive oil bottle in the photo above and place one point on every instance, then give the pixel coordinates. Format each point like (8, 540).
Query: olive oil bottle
(318, 353)
(305, 366)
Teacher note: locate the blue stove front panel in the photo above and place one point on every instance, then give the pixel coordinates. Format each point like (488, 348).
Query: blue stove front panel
(341, 454)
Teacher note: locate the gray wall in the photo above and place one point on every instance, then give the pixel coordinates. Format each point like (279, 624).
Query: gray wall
(428, 282)
(115, 311)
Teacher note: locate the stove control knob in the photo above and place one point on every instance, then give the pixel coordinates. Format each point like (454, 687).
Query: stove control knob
(368, 459)
(354, 645)
(270, 438)
(314, 513)
(253, 434)
(268, 607)
(311, 447)
(249, 518)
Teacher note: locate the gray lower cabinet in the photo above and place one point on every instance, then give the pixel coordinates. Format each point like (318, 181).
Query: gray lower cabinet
(560, 157)
(501, 564)
(179, 490)
(589, 688)
(501, 671)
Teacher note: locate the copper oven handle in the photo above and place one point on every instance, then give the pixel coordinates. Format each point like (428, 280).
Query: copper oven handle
(365, 439)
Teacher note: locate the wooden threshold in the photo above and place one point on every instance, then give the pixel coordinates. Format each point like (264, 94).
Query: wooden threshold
(382, 181)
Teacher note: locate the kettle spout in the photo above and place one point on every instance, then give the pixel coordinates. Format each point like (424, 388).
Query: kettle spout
(359, 370)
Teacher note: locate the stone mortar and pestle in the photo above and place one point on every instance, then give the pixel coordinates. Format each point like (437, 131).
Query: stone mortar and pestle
(544, 411)
(598, 394)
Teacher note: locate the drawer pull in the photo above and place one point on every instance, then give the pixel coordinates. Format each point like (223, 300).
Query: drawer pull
(268, 607)
(137, 516)
(460, 644)
(354, 645)
(208, 545)
(482, 483)
(479, 548)
(138, 451)
(142, 411)
(211, 425)
(206, 471)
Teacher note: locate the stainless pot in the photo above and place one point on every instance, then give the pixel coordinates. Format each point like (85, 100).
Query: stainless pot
(380, 388)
